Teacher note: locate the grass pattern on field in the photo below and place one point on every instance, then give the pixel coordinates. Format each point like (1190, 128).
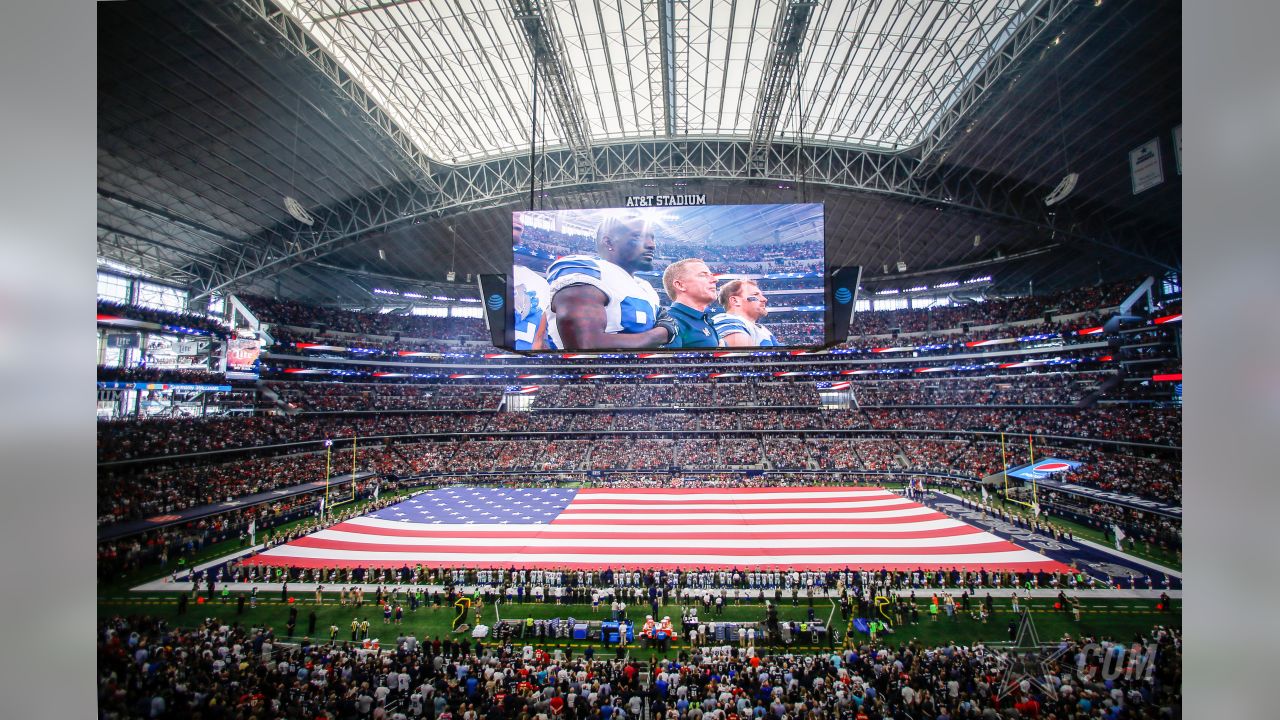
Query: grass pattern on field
(1119, 619)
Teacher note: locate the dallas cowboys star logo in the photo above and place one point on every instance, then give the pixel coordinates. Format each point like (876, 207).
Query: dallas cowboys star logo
(1026, 658)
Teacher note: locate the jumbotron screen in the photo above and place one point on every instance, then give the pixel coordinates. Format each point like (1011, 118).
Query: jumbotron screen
(671, 278)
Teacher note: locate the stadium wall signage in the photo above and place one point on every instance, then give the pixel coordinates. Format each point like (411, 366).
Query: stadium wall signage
(1043, 469)
(665, 200)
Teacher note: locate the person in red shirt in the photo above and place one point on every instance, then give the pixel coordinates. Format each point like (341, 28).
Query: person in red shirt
(1029, 708)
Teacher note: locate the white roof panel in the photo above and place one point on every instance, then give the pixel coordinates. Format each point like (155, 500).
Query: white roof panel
(455, 74)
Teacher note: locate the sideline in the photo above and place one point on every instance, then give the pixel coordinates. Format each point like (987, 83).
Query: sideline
(1132, 558)
(273, 588)
(1096, 547)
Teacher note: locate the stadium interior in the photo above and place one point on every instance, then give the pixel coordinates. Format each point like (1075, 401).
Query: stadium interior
(328, 486)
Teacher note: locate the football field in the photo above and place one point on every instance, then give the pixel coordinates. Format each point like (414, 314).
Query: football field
(776, 528)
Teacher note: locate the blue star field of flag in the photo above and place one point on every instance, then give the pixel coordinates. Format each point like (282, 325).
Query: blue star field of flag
(480, 506)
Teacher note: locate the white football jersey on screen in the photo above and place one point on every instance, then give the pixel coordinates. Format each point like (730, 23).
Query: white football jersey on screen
(727, 324)
(632, 302)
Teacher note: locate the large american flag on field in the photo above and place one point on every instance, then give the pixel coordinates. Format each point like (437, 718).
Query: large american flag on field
(816, 528)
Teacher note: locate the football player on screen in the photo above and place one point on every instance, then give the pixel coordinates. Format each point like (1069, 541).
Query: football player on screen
(530, 299)
(744, 307)
(598, 303)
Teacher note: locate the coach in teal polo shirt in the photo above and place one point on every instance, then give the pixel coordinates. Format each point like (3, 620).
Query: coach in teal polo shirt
(692, 288)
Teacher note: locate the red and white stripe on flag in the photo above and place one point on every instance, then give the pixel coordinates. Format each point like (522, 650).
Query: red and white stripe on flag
(802, 528)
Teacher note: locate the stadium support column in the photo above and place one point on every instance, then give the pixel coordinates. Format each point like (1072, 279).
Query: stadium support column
(533, 131)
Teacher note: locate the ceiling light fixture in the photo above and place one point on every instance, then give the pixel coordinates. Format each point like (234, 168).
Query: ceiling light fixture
(1064, 188)
(299, 213)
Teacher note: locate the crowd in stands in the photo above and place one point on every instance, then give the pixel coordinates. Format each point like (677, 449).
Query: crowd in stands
(202, 324)
(737, 453)
(129, 439)
(692, 370)
(508, 455)
(696, 453)
(878, 454)
(932, 455)
(284, 312)
(825, 454)
(123, 440)
(632, 454)
(1061, 388)
(992, 312)
(341, 396)
(1162, 426)
(786, 453)
(160, 375)
(172, 482)
(1122, 472)
(221, 668)
(689, 395)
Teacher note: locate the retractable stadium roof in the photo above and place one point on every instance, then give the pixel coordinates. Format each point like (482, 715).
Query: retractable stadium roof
(932, 132)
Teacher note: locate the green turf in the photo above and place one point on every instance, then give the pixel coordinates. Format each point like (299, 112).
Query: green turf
(1115, 618)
